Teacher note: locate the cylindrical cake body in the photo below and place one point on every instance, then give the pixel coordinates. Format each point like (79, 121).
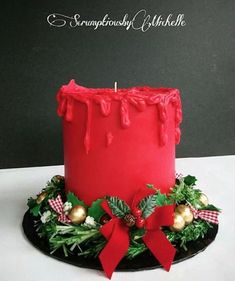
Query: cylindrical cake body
(117, 142)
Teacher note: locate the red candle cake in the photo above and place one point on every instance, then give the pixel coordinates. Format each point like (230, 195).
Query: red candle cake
(103, 214)
(117, 141)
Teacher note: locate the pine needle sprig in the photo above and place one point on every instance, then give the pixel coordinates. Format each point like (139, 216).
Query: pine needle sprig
(183, 193)
(88, 241)
(135, 249)
(191, 232)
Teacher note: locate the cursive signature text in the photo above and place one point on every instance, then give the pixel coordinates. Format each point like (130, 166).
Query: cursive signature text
(141, 21)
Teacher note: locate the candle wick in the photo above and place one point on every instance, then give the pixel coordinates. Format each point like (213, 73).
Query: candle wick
(115, 87)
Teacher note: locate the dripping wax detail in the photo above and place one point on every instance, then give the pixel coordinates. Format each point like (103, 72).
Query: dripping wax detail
(87, 139)
(140, 100)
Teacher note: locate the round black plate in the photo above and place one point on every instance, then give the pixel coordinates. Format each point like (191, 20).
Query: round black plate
(145, 261)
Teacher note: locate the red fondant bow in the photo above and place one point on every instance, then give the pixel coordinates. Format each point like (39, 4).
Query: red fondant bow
(117, 234)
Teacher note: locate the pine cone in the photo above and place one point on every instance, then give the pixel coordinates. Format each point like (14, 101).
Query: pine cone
(129, 220)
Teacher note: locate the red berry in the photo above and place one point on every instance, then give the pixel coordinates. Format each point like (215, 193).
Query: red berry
(140, 222)
(136, 212)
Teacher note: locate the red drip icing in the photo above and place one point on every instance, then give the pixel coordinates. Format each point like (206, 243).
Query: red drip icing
(178, 120)
(139, 103)
(162, 112)
(162, 117)
(178, 117)
(154, 99)
(139, 97)
(105, 107)
(87, 139)
(62, 107)
(163, 136)
(177, 135)
(125, 120)
(109, 138)
(69, 110)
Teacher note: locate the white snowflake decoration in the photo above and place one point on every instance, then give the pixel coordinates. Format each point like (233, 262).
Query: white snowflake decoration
(90, 221)
(67, 207)
(45, 216)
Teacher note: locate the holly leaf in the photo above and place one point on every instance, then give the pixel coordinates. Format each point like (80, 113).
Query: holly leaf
(190, 180)
(31, 203)
(95, 210)
(72, 198)
(118, 207)
(161, 199)
(147, 205)
(211, 207)
(35, 210)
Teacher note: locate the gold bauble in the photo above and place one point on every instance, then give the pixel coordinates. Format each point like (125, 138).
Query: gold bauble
(41, 197)
(77, 214)
(185, 212)
(179, 223)
(203, 199)
(188, 218)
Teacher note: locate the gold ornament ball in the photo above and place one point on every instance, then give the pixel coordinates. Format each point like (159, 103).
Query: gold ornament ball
(203, 199)
(41, 197)
(185, 212)
(77, 214)
(179, 223)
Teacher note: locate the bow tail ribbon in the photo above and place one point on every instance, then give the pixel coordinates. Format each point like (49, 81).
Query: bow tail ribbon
(116, 247)
(211, 217)
(160, 247)
(207, 215)
(156, 240)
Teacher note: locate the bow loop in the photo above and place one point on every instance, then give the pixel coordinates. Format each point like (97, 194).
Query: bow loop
(162, 216)
(105, 206)
(143, 192)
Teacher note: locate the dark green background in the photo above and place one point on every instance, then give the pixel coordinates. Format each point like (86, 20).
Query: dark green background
(36, 59)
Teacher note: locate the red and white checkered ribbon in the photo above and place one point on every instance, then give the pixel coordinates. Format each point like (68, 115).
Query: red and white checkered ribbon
(207, 215)
(58, 206)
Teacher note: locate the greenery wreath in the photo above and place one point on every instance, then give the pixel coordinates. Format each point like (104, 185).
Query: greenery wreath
(67, 223)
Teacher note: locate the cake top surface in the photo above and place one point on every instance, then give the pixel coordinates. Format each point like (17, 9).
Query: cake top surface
(74, 90)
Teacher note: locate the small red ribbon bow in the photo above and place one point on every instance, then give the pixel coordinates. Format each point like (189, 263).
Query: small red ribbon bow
(207, 215)
(117, 234)
(57, 205)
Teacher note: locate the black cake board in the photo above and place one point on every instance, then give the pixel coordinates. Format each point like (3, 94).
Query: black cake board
(141, 262)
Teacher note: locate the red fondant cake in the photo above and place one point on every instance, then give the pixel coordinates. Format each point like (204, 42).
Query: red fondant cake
(116, 142)
(103, 214)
